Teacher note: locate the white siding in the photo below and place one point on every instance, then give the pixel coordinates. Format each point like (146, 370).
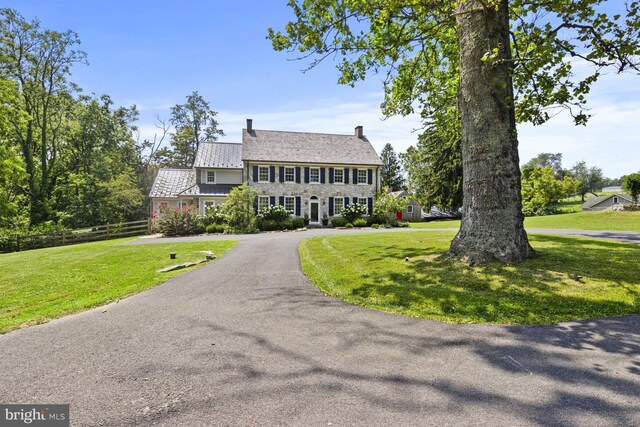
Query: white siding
(224, 176)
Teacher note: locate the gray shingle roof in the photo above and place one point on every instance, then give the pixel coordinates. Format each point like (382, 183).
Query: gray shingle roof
(304, 147)
(172, 182)
(593, 201)
(219, 155)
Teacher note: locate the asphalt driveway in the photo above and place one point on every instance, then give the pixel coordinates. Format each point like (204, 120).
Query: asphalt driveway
(248, 340)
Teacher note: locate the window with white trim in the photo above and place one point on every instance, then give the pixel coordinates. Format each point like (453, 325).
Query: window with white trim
(362, 201)
(263, 173)
(362, 176)
(338, 176)
(314, 175)
(289, 174)
(615, 200)
(263, 203)
(410, 209)
(183, 205)
(210, 177)
(338, 205)
(290, 203)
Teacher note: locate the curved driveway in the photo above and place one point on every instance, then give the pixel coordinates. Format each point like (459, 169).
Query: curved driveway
(248, 340)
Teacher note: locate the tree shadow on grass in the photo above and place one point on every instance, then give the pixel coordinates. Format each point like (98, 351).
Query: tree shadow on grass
(540, 290)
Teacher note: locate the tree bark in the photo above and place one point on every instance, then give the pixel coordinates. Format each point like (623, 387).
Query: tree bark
(492, 223)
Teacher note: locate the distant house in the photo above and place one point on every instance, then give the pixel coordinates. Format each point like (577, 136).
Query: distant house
(609, 201)
(310, 174)
(612, 189)
(413, 211)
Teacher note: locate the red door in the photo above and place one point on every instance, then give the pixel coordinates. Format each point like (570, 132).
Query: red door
(399, 215)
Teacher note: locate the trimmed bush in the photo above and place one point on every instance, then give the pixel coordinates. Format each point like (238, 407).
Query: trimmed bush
(297, 223)
(213, 215)
(215, 228)
(267, 225)
(338, 222)
(349, 225)
(375, 225)
(360, 222)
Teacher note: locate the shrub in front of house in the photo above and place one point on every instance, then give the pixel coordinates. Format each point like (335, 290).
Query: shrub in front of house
(349, 225)
(354, 211)
(375, 225)
(179, 222)
(213, 215)
(297, 223)
(215, 228)
(238, 211)
(267, 225)
(360, 222)
(338, 222)
(277, 213)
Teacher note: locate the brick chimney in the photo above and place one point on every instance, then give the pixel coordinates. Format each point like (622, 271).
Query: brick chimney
(359, 131)
(249, 125)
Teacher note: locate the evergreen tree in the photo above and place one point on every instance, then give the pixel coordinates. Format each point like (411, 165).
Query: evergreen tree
(391, 169)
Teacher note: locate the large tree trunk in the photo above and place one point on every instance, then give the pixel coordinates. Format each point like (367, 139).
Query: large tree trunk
(492, 222)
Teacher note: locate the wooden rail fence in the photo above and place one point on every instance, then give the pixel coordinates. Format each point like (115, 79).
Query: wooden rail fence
(17, 242)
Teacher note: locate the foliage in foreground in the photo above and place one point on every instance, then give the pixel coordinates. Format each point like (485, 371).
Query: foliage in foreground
(73, 278)
(409, 274)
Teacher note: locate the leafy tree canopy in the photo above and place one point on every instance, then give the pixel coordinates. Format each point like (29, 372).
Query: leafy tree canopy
(590, 178)
(631, 184)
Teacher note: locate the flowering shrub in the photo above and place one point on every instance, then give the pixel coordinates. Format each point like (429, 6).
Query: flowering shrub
(276, 213)
(178, 222)
(213, 215)
(353, 211)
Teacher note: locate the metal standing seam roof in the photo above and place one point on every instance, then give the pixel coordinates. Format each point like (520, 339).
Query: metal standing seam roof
(305, 147)
(594, 201)
(226, 155)
(172, 182)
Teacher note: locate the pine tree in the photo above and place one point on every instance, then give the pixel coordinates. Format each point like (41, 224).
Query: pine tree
(391, 169)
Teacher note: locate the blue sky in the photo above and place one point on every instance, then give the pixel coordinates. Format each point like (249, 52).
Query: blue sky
(154, 53)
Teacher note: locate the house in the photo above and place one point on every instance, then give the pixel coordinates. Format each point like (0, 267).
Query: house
(413, 211)
(608, 202)
(311, 174)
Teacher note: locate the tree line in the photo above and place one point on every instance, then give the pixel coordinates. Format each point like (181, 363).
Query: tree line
(69, 158)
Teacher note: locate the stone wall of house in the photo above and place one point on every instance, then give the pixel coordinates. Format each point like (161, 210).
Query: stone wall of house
(306, 191)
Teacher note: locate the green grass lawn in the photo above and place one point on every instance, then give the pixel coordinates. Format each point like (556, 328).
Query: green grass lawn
(606, 220)
(370, 270)
(43, 284)
(570, 204)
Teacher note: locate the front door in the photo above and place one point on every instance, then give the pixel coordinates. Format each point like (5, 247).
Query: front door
(314, 210)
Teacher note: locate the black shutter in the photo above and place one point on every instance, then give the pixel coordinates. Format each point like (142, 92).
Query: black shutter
(322, 175)
(355, 200)
(330, 175)
(272, 200)
(306, 175)
(370, 176)
(355, 176)
(330, 206)
(298, 201)
(255, 205)
(346, 202)
(346, 175)
(281, 173)
(272, 173)
(281, 201)
(298, 174)
(255, 174)
(370, 204)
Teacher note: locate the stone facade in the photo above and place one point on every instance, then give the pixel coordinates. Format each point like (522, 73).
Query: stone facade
(323, 191)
